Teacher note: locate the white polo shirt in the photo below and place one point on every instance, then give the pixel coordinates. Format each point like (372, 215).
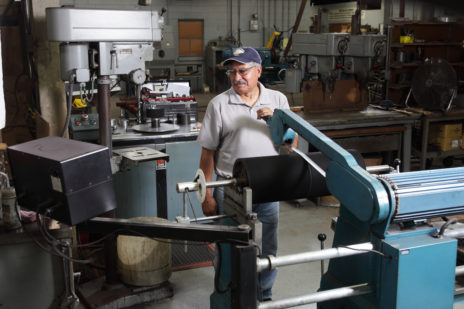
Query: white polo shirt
(231, 128)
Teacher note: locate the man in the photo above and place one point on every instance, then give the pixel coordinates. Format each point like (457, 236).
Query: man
(233, 127)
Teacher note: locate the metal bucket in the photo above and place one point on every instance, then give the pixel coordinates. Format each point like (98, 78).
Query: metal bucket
(143, 261)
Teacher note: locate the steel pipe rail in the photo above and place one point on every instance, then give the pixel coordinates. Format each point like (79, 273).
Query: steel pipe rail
(338, 293)
(272, 262)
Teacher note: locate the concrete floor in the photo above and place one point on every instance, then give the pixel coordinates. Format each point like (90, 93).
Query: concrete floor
(298, 230)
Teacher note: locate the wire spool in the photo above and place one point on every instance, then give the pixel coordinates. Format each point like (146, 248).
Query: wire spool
(284, 177)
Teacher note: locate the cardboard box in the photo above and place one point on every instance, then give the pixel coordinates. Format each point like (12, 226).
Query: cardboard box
(439, 131)
(448, 144)
(446, 136)
(373, 161)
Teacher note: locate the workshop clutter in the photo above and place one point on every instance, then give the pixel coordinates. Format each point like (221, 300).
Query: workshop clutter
(446, 136)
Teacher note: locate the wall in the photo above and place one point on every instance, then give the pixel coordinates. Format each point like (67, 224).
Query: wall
(221, 18)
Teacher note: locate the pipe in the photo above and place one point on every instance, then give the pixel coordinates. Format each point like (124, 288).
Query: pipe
(104, 115)
(459, 270)
(272, 262)
(378, 168)
(192, 186)
(322, 296)
(268, 18)
(210, 218)
(238, 23)
(140, 115)
(231, 19)
(282, 17)
(288, 15)
(275, 12)
(68, 107)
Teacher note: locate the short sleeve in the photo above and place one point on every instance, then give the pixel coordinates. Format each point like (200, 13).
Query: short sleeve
(283, 102)
(211, 127)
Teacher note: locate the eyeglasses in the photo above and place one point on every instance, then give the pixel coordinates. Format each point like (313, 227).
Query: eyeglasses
(242, 72)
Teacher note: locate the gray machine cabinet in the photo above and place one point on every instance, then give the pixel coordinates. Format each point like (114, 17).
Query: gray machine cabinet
(136, 188)
(29, 276)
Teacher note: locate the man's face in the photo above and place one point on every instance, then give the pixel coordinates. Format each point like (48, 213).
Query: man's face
(244, 77)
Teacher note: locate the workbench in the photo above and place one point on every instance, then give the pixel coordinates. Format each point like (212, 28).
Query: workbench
(369, 130)
(422, 149)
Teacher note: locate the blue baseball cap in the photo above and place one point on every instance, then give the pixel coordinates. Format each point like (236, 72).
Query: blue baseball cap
(243, 55)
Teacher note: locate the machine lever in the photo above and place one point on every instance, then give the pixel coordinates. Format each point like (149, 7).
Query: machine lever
(322, 237)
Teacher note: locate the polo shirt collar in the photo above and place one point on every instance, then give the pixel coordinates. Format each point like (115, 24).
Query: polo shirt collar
(263, 100)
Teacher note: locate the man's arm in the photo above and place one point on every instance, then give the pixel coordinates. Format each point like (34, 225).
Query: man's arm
(209, 206)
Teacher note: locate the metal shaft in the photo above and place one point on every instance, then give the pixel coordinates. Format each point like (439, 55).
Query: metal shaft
(272, 262)
(319, 296)
(104, 111)
(459, 270)
(191, 186)
(378, 168)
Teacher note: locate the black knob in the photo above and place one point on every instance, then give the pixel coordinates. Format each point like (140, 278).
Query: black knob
(322, 237)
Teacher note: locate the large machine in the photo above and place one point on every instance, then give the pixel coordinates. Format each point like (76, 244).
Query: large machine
(406, 259)
(385, 254)
(331, 65)
(99, 48)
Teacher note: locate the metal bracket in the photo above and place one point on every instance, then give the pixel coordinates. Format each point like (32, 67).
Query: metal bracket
(132, 156)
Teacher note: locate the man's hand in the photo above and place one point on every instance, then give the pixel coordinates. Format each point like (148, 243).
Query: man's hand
(264, 112)
(209, 206)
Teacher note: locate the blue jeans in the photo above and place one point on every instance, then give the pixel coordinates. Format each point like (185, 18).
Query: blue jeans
(268, 215)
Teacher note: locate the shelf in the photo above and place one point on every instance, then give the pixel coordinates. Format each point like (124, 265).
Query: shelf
(400, 86)
(423, 23)
(430, 44)
(439, 154)
(399, 65)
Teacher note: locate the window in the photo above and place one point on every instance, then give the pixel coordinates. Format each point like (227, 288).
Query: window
(190, 38)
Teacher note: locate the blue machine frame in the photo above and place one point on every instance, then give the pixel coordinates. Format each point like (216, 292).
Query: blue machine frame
(409, 267)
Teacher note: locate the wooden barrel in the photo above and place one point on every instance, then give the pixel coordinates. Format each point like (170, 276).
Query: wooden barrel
(143, 261)
(328, 200)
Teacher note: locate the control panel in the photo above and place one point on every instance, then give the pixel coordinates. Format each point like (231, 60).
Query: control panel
(84, 127)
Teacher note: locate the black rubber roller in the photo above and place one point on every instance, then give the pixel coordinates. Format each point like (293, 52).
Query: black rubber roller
(155, 112)
(284, 177)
